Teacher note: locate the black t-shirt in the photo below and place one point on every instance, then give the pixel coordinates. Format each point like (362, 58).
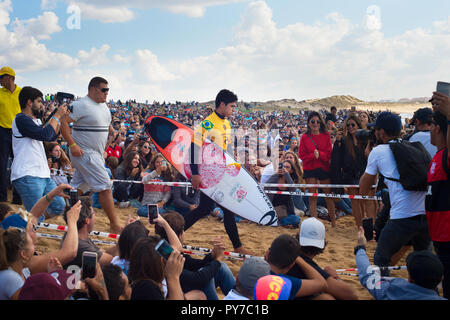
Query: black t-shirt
(146, 290)
(297, 272)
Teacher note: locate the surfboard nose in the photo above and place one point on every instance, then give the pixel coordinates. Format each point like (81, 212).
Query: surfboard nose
(269, 219)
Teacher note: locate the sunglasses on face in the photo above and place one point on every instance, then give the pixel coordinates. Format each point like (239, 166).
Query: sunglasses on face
(315, 121)
(104, 90)
(351, 124)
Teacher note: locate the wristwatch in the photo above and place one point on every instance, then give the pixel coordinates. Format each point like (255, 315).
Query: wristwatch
(358, 247)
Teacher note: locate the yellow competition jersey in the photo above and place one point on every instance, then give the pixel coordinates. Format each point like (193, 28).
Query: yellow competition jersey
(9, 106)
(215, 129)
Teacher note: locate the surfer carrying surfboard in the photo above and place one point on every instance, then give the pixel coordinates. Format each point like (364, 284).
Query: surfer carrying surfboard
(216, 128)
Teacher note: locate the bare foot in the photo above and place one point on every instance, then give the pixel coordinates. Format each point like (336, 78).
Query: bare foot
(243, 250)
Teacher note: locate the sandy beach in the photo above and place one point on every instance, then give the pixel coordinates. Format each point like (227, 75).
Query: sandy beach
(338, 252)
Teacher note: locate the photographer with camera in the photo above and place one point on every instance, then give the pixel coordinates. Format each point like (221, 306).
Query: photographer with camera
(30, 174)
(58, 162)
(407, 214)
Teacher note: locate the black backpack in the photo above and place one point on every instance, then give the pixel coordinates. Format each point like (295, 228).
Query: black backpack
(412, 163)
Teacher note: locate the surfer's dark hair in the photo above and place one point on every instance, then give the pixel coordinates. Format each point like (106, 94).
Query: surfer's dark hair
(225, 96)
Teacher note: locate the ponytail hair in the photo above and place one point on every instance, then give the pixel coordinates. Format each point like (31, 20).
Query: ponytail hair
(12, 241)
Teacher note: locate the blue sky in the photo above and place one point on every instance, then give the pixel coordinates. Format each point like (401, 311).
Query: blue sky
(262, 50)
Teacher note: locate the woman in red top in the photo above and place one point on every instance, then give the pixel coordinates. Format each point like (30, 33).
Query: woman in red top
(315, 151)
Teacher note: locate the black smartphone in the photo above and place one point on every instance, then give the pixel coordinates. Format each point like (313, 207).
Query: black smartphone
(89, 264)
(62, 97)
(164, 249)
(73, 197)
(367, 224)
(152, 211)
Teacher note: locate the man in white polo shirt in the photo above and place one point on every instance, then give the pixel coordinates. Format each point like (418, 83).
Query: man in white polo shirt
(407, 215)
(91, 125)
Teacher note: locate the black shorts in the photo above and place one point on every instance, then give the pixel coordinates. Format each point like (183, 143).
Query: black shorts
(316, 173)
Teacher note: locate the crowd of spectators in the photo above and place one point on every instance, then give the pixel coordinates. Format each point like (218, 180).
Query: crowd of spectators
(312, 147)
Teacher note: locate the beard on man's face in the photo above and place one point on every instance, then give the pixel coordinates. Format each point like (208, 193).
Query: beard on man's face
(37, 111)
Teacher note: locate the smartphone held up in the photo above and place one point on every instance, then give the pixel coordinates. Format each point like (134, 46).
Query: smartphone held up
(164, 249)
(89, 264)
(152, 211)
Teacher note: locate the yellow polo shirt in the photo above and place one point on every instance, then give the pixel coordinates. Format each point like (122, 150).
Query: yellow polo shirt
(9, 106)
(215, 129)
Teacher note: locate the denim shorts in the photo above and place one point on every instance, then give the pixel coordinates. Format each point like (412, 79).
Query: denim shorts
(31, 189)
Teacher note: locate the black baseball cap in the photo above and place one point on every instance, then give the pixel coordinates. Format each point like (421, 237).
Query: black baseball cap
(387, 121)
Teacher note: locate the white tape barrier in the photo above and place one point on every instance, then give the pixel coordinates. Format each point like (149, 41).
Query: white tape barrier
(58, 237)
(188, 184)
(324, 195)
(65, 228)
(298, 192)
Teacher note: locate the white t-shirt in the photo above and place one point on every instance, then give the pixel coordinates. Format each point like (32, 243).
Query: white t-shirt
(234, 295)
(29, 153)
(404, 203)
(424, 138)
(10, 282)
(267, 173)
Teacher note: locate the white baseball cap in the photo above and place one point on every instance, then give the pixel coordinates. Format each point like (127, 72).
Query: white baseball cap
(312, 233)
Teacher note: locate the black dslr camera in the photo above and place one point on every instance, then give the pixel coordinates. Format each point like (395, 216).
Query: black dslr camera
(366, 136)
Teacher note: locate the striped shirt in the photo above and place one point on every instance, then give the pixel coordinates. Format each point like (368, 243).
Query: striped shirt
(91, 124)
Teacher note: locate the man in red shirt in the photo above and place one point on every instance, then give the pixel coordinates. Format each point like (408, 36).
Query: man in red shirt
(437, 202)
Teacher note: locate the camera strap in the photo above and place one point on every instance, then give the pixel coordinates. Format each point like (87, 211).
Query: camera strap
(312, 141)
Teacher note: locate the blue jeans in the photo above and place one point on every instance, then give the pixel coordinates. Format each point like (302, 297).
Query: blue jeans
(344, 205)
(291, 219)
(31, 189)
(298, 202)
(224, 279)
(142, 211)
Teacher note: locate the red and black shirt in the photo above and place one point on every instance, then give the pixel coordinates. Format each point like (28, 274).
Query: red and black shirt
(437, 201)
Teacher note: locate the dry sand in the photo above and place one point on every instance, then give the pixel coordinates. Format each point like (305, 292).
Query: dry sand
(338, 252)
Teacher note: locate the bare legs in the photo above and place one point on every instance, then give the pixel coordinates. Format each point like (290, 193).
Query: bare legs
(105, 198)
(313, 200)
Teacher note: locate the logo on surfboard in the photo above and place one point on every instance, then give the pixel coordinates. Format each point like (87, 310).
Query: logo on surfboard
(238, 192)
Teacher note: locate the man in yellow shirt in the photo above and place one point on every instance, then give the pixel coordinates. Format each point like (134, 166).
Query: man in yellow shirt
(216, 128)
(9, 108)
